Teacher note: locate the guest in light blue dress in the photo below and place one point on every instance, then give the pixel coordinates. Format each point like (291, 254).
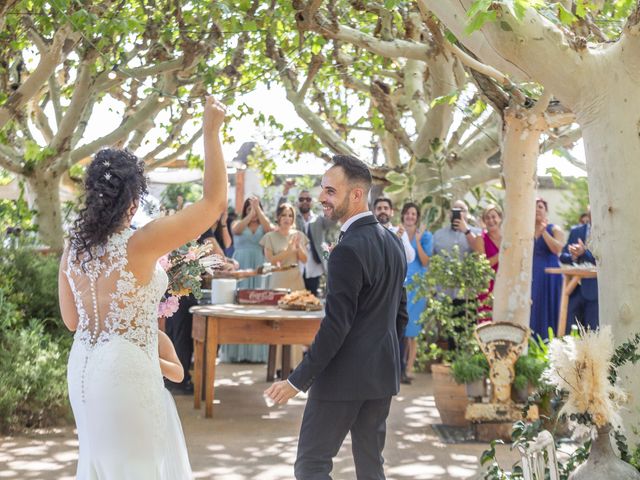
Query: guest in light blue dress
(248, 231)
(422, 243)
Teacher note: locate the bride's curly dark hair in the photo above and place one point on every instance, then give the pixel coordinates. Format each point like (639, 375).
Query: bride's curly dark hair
(113, 182)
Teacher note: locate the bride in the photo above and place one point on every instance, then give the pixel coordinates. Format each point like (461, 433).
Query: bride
(109, 287)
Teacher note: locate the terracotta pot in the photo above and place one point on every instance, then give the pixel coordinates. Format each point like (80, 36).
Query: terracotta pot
(451, 398)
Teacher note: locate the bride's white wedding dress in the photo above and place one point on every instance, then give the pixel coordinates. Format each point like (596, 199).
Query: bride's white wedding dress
(128, 427)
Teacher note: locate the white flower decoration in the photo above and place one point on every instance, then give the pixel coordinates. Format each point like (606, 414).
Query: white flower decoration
(107, 176)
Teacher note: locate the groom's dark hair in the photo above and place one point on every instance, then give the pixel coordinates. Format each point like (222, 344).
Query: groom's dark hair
(355, 170)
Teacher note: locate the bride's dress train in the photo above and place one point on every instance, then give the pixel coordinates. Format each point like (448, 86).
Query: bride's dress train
(128, 426)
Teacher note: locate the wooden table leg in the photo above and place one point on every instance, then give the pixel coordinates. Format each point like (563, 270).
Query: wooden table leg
(286, 361)
(271, 363)
(569, 284)
(212, 348)
(198, 354)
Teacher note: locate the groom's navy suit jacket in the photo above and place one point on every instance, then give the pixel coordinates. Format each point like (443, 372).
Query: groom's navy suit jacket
(355, 354)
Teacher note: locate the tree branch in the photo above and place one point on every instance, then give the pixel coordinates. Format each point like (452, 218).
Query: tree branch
(83, 122)
(414, 73)
(176, 129)
(389, 49)
(46, 66)
(486, 70)
(184, 148)
(148, 108)
(629, 44)
(81, 93)
(10, 160)
(41, 121)
(386, 107)
(529, 49)
(54, 95)
(316, 63)
(289, 81)
(103, 83)
(438, 118)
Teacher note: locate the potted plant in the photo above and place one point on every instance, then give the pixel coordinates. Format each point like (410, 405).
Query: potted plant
(529, 368)
(452, 286)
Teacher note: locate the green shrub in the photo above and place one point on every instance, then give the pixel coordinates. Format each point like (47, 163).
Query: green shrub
(469, 275)
(529, 367)
(34, 344)
(31, 283)
(469, 368)
(33, 376)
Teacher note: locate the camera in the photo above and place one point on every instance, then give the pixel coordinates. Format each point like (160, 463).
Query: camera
(456, 214)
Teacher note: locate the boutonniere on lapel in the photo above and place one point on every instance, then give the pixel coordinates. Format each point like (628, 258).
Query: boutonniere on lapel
(326, 249)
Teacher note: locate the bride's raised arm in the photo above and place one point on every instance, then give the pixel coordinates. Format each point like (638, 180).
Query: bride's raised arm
(168, 233)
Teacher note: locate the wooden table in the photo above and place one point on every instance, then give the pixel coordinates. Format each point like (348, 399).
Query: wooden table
(227, 323)
(571, 276)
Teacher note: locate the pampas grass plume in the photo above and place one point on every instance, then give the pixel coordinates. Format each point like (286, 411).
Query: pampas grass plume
(580, 367)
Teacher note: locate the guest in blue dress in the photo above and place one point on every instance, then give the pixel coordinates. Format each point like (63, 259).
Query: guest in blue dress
(422, 243)
(247, 233)
(546, 288)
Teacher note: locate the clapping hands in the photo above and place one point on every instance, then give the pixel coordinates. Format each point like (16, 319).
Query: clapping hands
(577, 249)
(294, 243)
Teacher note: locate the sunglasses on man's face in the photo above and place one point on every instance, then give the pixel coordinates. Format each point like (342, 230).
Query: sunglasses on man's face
(304, 199)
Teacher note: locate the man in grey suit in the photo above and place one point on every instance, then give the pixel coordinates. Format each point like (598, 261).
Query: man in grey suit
(315, 228)
(352, 368)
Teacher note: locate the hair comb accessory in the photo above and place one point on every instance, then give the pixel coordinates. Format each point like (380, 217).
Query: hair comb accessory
(106, 163)
(107, 176)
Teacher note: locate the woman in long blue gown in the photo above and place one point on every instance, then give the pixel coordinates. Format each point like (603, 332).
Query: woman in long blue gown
(248, 231)
(546, 288)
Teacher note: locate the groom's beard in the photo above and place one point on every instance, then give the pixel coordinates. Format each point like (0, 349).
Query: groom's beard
(383, 218)
(336, 212)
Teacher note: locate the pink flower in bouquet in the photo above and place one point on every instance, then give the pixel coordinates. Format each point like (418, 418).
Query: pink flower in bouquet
(191, 256)
(168, 306)
(164, 262)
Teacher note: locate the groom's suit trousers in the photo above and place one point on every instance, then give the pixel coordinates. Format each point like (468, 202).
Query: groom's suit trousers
(324, 427)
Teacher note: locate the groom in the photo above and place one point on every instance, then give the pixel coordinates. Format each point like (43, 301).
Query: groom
(354, 361)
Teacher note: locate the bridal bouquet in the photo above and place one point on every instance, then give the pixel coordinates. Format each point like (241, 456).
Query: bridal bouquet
(184, 267)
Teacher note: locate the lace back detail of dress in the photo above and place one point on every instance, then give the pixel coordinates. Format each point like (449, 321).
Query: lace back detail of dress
(109, 300)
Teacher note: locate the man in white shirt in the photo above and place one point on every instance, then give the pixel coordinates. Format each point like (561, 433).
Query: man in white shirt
(383, 210)
(315, 228)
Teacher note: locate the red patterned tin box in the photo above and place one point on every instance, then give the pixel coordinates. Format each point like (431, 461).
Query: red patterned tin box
(260, 297)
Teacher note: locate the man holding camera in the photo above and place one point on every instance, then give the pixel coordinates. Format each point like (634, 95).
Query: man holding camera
(457, 233)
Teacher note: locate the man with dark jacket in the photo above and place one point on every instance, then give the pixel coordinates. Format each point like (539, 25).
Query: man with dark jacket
(583, 302)
(352, 367)
(315, 228)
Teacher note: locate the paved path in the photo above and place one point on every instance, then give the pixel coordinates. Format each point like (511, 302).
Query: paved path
(247, 440)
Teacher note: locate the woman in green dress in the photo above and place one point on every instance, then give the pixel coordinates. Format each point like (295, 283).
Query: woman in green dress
(248, 231)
